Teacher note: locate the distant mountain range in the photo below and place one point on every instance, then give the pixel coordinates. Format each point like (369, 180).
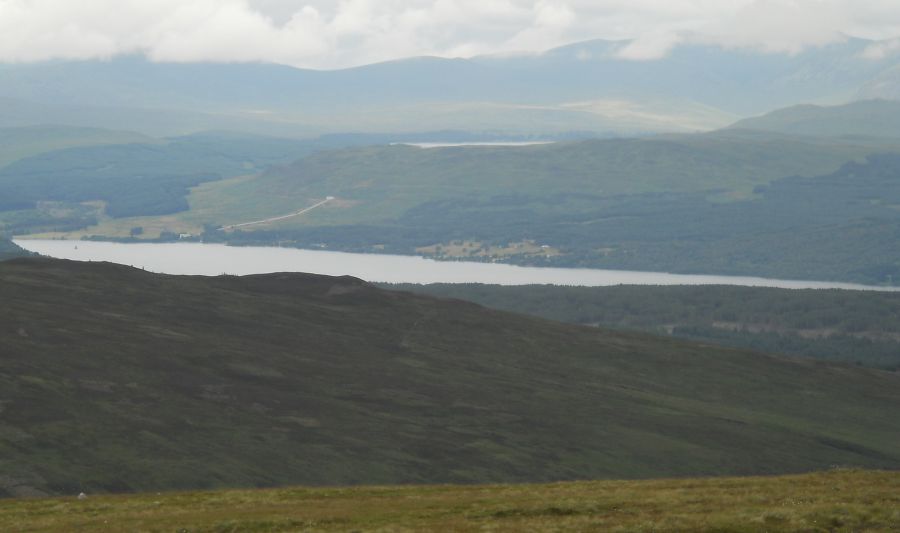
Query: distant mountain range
(115, 379)
(584, 86)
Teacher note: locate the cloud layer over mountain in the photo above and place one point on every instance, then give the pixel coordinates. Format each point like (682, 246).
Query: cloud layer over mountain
(335, 34)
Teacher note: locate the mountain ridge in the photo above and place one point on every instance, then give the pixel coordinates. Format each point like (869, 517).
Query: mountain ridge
(877, 118)
(399, 95)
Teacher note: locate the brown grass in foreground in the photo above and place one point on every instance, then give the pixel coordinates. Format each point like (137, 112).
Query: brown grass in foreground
(840, 500)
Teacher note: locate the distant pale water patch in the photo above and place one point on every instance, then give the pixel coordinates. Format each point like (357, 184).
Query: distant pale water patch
(496, 143)
(216, 259)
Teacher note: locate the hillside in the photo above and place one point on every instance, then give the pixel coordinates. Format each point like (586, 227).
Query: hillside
(383, 186)
(863, 119)
(746, 204)
(19, 143)
(858, 327)
(59, 179)
(738, 202)
(838, 500)
(114, 379)
(9, 250)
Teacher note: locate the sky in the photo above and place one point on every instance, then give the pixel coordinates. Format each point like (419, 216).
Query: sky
(330, 34)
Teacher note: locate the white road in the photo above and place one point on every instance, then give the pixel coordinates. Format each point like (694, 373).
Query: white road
(275, 219)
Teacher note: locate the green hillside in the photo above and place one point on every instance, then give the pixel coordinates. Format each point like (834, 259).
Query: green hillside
(859, 327)
(378, 186)
(862, 119)
(71, 188)
(716, 204)
(19, 143)
(382, 183)
(834, 501)
(735, 202)
(112, 176)
(114, 379)
(137, 178)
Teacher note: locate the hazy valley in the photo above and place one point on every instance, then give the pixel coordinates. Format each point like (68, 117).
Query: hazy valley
(294, 401)
(734, 201)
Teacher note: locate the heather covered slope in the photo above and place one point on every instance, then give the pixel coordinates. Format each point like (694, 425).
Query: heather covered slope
(114, 379)
(856, 327)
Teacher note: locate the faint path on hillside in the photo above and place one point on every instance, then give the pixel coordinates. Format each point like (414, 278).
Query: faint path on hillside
(275, 219)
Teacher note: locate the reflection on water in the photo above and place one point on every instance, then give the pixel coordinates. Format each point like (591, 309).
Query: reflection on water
(215, 259)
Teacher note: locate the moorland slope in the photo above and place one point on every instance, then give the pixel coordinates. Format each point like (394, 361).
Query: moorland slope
(115, 379)
(858, 327)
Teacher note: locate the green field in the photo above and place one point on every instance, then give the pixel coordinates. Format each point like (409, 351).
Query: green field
(835, 501)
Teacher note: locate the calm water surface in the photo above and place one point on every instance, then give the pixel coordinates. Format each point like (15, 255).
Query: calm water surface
(215, 259)
(486, 143)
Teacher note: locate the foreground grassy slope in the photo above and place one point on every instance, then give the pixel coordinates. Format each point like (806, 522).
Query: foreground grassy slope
(860, 327)
(113, 379)
(835, 501)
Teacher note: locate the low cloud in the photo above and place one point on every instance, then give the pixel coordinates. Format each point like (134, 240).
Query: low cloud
(882, 50)
(341, 33)
(651, 46)
(779, 26)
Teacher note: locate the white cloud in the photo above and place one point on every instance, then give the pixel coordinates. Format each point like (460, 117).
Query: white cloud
(786, 26)
(338, 33)
(650, 46)
(551, 21)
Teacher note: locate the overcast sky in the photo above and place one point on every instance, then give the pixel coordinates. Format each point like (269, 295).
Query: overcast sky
(342, 33)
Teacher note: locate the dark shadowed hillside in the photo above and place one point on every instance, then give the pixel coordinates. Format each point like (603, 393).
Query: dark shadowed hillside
(9, 250)
(859, 327)
(114, 379)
